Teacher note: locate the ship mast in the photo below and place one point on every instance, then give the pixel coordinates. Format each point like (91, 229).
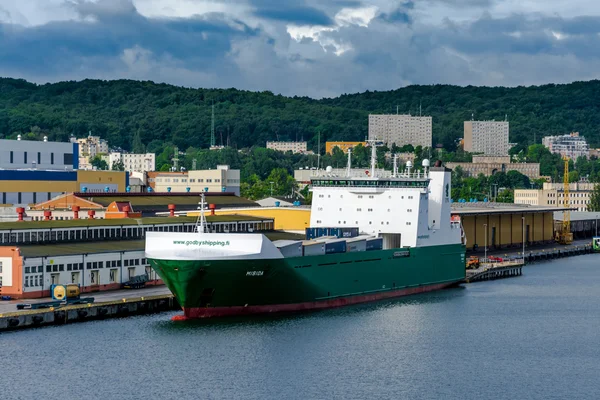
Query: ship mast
(201, 222)
(373, 143)
(349, 167)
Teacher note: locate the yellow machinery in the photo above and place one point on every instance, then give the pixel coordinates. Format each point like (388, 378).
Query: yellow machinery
(565, 236)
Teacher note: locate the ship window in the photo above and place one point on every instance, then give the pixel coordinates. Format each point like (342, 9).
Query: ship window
(359, 209)
(370, 222)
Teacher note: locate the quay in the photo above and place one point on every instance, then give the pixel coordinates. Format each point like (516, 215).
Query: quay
(512, 263)
(115, 308)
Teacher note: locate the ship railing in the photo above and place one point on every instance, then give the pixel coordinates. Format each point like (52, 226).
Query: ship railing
(366, 174)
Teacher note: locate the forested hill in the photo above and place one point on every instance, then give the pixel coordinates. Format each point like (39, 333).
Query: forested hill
(160, 113)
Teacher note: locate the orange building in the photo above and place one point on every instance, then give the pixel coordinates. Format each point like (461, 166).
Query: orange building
(344, 146)
(121, 209)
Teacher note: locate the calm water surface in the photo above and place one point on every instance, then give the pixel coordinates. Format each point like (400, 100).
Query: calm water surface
(532, 337)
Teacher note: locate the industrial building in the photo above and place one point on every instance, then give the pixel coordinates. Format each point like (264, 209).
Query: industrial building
(343, 146)
(221, 179)
(505, 225)
(583, 224)
(571, 145)
(552, 194)
(487, 137)
(97, 254)
(401, 129)
(490, 165)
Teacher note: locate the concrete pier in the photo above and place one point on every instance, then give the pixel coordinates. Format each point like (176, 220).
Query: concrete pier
(24, 319)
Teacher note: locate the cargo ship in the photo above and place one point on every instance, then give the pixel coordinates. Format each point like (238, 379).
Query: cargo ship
(370, 238)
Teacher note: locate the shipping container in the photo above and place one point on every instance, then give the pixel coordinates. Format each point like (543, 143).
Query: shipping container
(338, 246)
(356, 244)
(348, 232)
(313, 233)
(375, 244)
(316, 249)
(289, 248)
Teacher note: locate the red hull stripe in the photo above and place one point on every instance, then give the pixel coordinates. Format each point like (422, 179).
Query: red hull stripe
(208, 312)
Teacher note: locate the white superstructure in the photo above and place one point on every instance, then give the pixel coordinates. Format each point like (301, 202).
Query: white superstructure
(408, 209)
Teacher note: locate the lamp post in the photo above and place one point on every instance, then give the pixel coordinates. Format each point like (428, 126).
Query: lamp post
(485, 246)
(523, 239)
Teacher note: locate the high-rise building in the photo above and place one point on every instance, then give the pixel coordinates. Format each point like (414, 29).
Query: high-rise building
(571, 145)
(133, 162)
(487, 137)
(401, 129)
(294, 147)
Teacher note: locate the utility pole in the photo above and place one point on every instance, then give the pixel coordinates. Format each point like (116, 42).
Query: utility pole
(175, 158)
(271, 188)
(194, 161)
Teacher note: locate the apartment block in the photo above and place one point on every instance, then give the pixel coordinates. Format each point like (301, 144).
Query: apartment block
(487, 137)
(571, 145)
(294, 147)
(401, 129)
(133, 162)
(489, 165)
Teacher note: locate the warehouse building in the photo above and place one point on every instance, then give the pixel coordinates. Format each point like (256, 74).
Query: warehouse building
(96, 254)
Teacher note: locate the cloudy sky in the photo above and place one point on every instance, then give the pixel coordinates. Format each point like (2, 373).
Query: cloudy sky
(318, 48)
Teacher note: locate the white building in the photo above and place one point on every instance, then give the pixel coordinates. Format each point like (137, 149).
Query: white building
(487, 137)
(31, 154)
(401, 129)
(133, 162)
(221, 179)
(294, 147)
(571, 145)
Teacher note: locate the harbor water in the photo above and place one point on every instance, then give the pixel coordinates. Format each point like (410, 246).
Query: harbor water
(529, 337)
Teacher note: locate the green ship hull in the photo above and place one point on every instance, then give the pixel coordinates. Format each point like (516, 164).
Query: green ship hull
(233, 287)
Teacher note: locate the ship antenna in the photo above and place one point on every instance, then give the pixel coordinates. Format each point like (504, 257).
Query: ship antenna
(201, 222)
(349, 167)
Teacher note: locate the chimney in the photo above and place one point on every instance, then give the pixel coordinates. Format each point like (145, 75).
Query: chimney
(20, 211)
(212, 207)
(171, 210)
(91, 214)
(76, 212)
(47, 215)
(126, 210)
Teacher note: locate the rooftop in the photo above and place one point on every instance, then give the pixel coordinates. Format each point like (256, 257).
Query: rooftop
(52, 250)
(73, 223)
(481, 208)
(579, 215)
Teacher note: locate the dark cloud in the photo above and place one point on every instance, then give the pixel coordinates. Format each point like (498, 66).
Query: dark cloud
(113, 40)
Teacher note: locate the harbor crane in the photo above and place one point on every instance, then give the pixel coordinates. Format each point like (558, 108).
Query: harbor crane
(565, 236)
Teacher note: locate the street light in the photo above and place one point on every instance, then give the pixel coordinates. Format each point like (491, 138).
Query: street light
(523, 239)
(485, 246)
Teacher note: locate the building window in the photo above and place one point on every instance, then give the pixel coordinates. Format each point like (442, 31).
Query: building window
(25, 157)
(11, 157)
(39, 158)
(51, 158)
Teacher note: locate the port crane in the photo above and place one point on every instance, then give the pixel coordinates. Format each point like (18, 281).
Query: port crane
(565, 236)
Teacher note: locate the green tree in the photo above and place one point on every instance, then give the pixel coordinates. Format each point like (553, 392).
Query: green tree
(118, 166)
(137, 146)
(506, 196)
(99, 163)
(594, 204)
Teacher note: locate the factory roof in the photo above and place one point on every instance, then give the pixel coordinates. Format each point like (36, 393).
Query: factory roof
(75, 223)
(65, 249)
(579, 215)
(481, 208)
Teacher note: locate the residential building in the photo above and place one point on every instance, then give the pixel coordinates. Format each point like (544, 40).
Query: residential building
(489, 165)
(294, 147)
(221, 179)
(344, 146)
(401, 129)
(487, 137)
(92, 145)
(133, 162)
(595, 153)
(571, 145)
(552, 194)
